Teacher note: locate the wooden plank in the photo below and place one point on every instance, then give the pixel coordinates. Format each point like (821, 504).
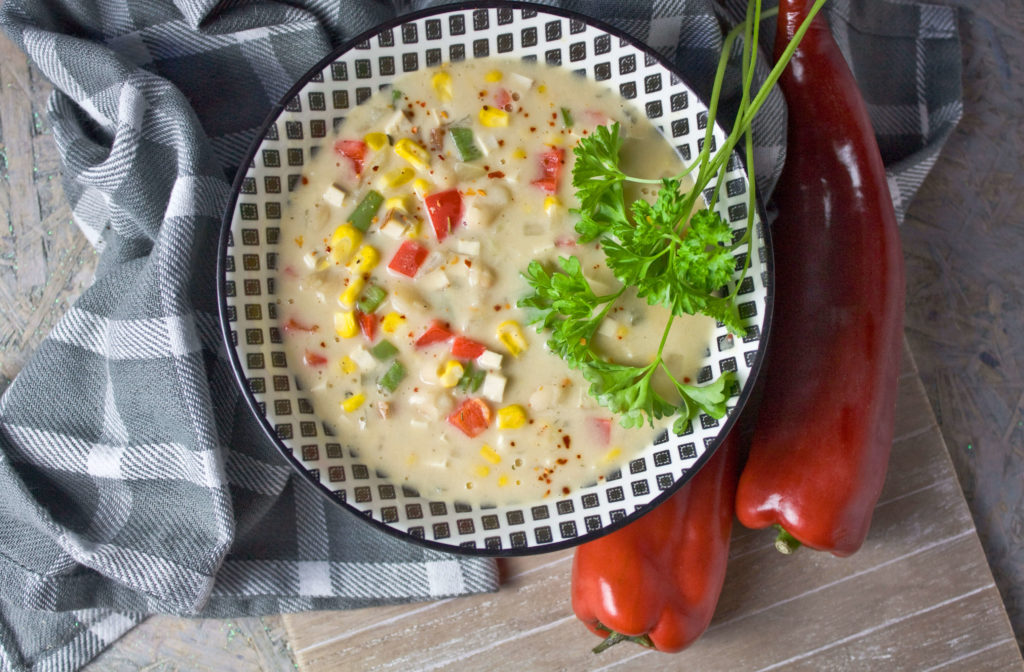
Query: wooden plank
(903, 598)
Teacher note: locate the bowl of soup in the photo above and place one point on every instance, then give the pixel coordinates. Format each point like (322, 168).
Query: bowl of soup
(374, 262)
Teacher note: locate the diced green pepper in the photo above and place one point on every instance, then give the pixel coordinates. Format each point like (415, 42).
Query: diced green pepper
(394, 375)
(465, 143)
(363, 215)
(566, 116)
(383, 350)
(396, 95)
(371, 299)
(472, 378)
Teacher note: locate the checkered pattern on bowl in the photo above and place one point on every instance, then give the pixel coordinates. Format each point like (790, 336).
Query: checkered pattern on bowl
(316, 106)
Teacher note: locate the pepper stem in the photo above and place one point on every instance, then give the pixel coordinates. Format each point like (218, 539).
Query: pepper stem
(614, 638)
(785, 542)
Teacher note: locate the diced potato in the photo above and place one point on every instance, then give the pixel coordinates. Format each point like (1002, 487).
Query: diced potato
(468, 247)
(435, 280)
(493, 387)
(315, 261)
(335, 195)
(477, 214)
(519, 82)
(362, 357)
(490, 360)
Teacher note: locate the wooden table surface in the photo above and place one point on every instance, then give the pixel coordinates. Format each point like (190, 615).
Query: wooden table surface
(920, 595)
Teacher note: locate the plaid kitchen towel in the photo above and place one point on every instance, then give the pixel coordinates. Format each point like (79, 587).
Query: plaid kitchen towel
(132, 479)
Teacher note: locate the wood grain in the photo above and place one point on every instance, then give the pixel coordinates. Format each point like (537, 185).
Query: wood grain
(919, 595)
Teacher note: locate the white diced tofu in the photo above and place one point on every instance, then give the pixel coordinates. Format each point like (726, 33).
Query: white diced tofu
(480, 277)
(490, 360)
(433, 261)
(435, 280)
(497, 194)
(468, 247)
(493, 387)
(488, 143)
(396, 123)
(335, 195)
(519, 82)
(477, 215)
(362, 357)
(309, 259)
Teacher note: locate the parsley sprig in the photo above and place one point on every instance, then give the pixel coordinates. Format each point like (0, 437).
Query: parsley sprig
(671, 252)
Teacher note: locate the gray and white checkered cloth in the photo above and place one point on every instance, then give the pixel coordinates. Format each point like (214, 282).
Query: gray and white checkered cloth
(132, 479)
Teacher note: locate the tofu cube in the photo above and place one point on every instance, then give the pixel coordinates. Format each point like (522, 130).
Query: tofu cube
(493, 387)
(335, 195)
(490, 360)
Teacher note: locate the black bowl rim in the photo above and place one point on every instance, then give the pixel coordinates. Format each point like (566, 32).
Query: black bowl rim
(250, 399)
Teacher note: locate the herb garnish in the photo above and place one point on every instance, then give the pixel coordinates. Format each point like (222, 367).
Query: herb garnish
(674, 256)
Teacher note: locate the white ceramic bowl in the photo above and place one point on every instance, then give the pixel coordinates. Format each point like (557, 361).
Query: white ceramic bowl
(252, 233)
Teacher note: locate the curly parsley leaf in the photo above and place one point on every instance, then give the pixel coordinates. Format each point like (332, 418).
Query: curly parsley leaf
(598, 182)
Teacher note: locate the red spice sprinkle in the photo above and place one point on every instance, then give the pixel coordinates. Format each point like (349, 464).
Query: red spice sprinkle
(305, 180)
(501, 143)
(533, 129)
(565, 490)
(497, 308)
(562, 460)
(566, 440)
(497, 174)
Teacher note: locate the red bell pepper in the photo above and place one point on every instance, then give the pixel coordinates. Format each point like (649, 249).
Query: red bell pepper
(472, 417)
(436, 332)
(822, 438)
(467, 348)
(445, 210)
(354, 151)
(367, 325)
(408, 258)
(292, 325)
(551, 163)
(657, 580)
(313, 359)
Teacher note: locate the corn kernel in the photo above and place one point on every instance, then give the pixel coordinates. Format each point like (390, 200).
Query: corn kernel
(348, 365)
(412, 230)
(611, 455)
(551, 204)
(345, 324)
(421, 187)
(413, 152)
(391, 322)
(442, 83)
(396, 203)
(344, 241)
(520, 153)
(502, 481)
(354, 402)
(450, 373)
(396, 178)
(481, 470)
(489, 454)
(493, 117)
(542, 89)
(375, 141)
(511, 336)
(511, 417)
(348, 297)
(493, 76)
(365, 261)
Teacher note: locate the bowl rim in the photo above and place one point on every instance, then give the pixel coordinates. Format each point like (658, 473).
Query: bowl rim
(732, 421)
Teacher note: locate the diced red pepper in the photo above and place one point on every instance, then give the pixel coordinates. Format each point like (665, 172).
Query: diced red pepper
(313, 359)
(604, 430)
(467, 348)
(445, 209)
(565, 241)
(408, 259)
(597, 117)
(502, 98)
(367, 325)
(472, 417)
(551, 163)
(437, 332)
(292, 324)
(353, 150)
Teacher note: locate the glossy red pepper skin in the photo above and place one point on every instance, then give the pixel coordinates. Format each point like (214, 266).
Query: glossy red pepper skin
(660, 576)
(821, 443)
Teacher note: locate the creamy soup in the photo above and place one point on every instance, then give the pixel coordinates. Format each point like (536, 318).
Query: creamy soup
(401, 271)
